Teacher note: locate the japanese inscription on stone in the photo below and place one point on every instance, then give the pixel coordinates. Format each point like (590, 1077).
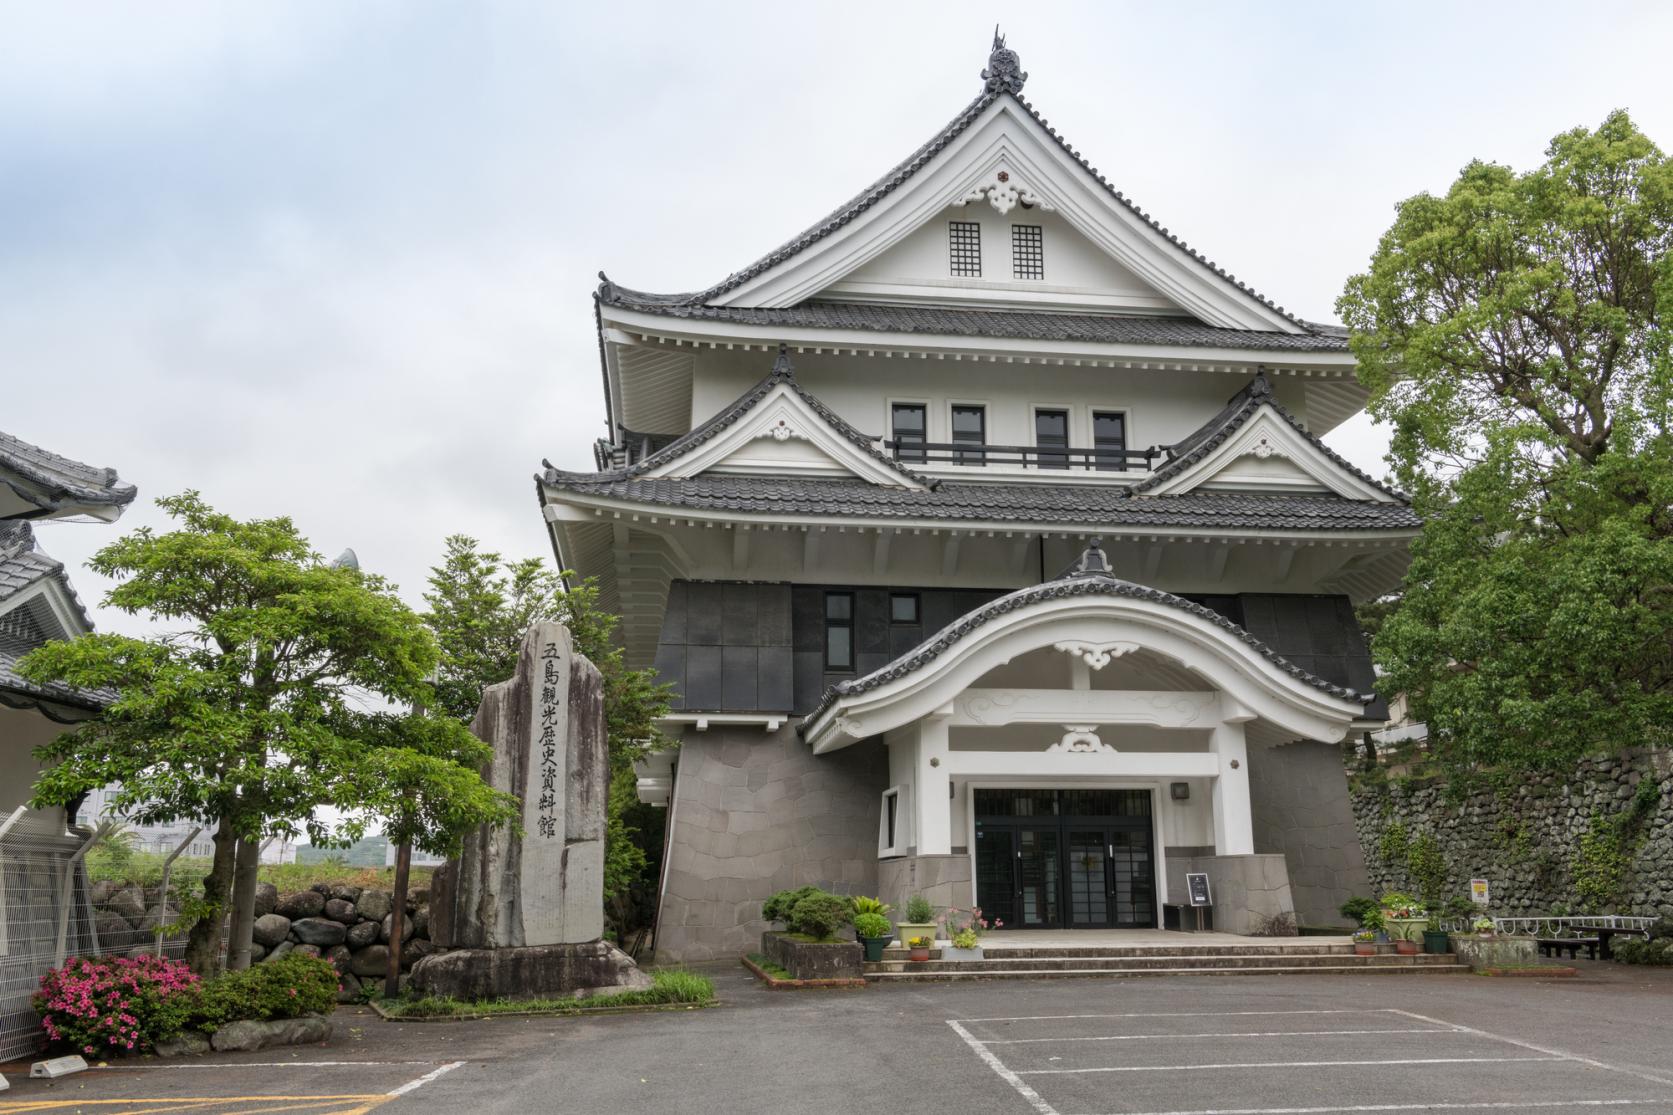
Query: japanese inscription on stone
(547, 824)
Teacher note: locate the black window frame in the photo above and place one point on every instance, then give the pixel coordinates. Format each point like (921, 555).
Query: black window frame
(964, 249)
(839, 623)
(902, 452)
(1117, 461)
(1028, 252)
(1052, 454)
(969, 456)
(917, 609)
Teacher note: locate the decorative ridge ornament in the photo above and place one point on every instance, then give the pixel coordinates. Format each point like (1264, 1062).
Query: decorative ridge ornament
(782, 368)
(1004, 71)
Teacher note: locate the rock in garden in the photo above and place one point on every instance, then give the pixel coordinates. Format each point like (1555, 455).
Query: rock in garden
(101, 892)
(257, 952)
(338, 955)
(281, 949)
(114, 930)
(191, 1043)
(318, 931)
(128, 902)
(421, 922)
(347, 892)
(267, 897)
(307, 950)
(414, 951)
(244, 1036)
(270, 929)
(370, 961)
(158, 917)
(348, 989)
(374, 905)
(340, 909)
(387, 928)
(301, 904)
(324, 889)
(361, 934)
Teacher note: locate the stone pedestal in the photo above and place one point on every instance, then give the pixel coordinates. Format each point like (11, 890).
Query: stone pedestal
(530, 972)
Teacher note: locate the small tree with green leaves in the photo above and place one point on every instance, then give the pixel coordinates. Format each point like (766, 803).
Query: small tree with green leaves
(250, 710)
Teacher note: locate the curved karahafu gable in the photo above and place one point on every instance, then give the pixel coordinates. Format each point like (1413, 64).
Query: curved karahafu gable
(1094, 616)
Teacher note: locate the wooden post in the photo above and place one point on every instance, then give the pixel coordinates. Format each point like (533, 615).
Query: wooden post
(397, 920)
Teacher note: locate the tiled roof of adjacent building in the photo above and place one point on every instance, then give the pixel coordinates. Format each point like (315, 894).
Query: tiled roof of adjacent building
(993, 90)
(51, 482)
(1086, 506)
(23, 565)
(955, 322)
(1096, 582)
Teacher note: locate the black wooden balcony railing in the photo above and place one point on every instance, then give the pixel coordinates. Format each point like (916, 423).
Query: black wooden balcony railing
(1045, 457)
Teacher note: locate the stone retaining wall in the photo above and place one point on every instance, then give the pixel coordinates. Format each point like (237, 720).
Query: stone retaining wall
(1525, 841)
(347, 925)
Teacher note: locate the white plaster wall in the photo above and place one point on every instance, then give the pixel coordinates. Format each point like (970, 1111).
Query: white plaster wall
(1161, 406)
(21, 731)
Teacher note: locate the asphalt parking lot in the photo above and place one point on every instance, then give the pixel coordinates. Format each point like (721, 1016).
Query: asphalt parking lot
(1247, 1045)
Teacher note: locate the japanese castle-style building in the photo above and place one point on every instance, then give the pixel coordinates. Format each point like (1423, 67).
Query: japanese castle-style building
(985, 533)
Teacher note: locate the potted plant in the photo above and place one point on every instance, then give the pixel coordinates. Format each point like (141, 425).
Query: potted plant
(1405, 918)
(1365, 942)
(919, 920)
(1435, 937)
(874, 932)
(1484, 927)
(919, 947)
(964, 931)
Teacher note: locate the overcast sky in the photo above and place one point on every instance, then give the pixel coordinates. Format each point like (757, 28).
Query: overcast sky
(334, 260)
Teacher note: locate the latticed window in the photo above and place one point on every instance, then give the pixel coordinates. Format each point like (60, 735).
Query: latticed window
(1028, 252)
(964, 246)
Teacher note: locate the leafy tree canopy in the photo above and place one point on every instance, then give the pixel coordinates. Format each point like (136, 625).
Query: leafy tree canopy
(1514, 332)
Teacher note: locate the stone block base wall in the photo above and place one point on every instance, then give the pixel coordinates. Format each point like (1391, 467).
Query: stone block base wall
(1248, 891)
(943, 881)
(756, 812)
(1298, 794)
(1524, 841)
(814, 959)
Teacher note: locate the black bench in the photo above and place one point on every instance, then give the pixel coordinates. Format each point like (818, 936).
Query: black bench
(1570, 946)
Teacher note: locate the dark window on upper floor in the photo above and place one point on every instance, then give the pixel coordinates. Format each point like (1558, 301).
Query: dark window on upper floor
(839, 631)
(907, 421)
(903, 607)
(964, 248)
(970, 426)
(1109, 437)
(1028, 252)
(1051, 431)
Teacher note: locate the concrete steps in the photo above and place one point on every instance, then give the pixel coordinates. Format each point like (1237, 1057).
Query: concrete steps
(1159, 960)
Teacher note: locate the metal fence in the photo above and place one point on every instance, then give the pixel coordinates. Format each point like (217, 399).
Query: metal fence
(46, 915)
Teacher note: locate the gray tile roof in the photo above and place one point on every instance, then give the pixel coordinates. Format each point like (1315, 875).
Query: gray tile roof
(1083, 506)
(51, 482)
(22, 565)
(901, 173)
(1074, 583)
(1239, 409)
(1019, 324)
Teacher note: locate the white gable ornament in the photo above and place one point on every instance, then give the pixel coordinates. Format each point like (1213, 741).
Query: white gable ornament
(1081, 739)
(1096, 655)
(1003, 192)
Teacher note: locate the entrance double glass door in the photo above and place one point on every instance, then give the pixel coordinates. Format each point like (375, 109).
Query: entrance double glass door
(1065, 859)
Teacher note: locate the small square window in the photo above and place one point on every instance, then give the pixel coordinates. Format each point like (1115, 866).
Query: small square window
(964, 248)
(1028, 252)
(903, 607)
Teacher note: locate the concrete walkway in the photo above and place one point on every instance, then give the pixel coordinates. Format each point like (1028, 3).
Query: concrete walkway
(1140, 938)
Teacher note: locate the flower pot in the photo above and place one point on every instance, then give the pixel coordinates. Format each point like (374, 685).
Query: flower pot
(1365, 948)
(874, 947)
(1435, 942)
(951, 953)
(906, 930)
(918, 955)
(1405, 947)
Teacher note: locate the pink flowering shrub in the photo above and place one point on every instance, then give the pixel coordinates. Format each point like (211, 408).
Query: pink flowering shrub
(111, 1005)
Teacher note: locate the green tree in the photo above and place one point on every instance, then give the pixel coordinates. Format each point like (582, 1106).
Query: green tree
(251, 710)
(1514, 333)
(480, 607)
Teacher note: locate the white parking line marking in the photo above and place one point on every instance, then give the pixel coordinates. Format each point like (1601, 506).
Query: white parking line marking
(1496, 1105)
(1249, 1034)
(1187, 1014)
(414, 1085)
(1539, 1048)
(1292, 1065)
(1034, 1098)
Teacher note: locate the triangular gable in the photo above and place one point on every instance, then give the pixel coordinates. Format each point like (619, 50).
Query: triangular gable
(777, 429)
(35, 592)
(998, 152)
(1256, 445)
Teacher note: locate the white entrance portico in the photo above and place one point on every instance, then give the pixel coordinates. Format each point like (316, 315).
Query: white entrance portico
(1086, 682)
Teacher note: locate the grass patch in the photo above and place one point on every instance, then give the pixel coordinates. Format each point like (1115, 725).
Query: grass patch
(770, 967)
(672, 987)
(810, 939)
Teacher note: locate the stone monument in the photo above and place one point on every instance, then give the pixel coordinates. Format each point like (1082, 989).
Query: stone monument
(522, 915)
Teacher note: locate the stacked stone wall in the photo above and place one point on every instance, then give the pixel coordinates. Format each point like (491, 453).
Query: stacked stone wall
(1526, 840)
